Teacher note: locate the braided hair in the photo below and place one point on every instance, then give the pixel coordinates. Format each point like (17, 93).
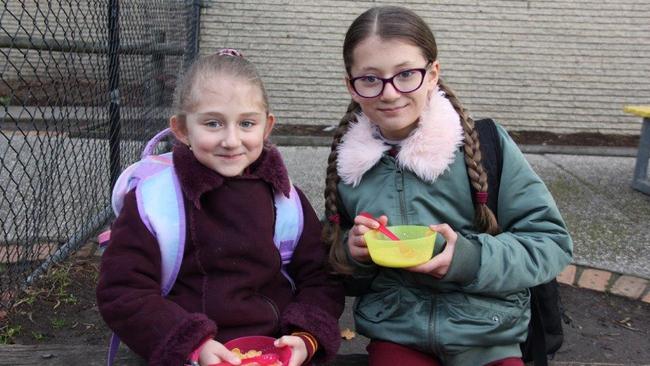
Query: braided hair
(389, 22)
(332, 228)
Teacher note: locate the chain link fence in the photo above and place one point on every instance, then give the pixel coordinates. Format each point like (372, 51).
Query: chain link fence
(83, 85)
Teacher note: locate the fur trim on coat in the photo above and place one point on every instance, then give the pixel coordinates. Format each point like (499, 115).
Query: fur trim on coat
(427, 151)
(183, 337)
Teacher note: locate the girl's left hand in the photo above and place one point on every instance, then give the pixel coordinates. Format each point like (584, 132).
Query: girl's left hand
(439, 264)
(298, 349)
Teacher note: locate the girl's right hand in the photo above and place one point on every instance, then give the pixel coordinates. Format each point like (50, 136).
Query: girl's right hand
(356, 242)
(439, 265)
(214, 352)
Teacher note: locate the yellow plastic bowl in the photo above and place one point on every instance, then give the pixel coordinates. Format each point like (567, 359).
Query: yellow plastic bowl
(415, 247)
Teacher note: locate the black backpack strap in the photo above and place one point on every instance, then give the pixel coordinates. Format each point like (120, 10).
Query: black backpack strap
(537, 348)
(492, 159)
(545, 334)
(545, 328)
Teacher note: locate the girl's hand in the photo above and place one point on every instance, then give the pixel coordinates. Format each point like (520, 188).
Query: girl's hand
(214, 352)
(298, 349)
(356, 243)
(439, 264)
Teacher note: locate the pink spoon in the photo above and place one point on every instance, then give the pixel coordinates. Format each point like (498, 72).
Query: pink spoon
(382, 228)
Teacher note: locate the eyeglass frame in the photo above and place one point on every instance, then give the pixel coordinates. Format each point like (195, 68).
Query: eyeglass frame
(384, 81)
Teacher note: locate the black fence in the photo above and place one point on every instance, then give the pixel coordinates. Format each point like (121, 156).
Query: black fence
(83, 85)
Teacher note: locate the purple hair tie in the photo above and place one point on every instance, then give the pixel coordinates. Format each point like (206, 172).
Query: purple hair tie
(229, 52)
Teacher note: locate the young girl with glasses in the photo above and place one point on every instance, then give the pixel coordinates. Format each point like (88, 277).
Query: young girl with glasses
(403, 152)
(231, 281)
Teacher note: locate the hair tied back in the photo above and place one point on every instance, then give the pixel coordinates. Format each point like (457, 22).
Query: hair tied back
(229, 52)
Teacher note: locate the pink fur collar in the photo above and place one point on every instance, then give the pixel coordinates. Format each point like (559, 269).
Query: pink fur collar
(427, 152)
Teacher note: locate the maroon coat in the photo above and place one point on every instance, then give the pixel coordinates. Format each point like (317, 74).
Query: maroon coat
(229, 284)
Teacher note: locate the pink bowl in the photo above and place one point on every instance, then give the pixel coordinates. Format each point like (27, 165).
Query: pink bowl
(260, 343)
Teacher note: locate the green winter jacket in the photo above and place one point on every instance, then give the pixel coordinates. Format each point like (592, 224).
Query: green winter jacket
(479, 311)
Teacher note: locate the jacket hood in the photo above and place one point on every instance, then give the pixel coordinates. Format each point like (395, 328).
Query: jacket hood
(427, 151)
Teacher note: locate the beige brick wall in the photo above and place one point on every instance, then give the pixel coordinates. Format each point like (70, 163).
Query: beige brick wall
(564, 66)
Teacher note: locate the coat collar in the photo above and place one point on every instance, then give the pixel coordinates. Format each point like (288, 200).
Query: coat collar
(427, 151)
(197, 179)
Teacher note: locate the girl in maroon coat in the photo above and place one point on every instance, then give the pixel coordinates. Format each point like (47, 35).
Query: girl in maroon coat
(229, 283)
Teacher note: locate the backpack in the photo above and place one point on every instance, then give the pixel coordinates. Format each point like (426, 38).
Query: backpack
(545, 333)
(161, 208)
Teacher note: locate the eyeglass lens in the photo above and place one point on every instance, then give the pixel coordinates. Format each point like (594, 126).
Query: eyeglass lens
(405, 82)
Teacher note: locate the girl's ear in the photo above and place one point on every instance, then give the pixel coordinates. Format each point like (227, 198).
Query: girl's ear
(179, 129)
(433, 75)
(270, 122)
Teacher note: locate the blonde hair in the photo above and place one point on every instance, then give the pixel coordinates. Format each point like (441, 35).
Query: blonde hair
(389, 22)
(225, 62)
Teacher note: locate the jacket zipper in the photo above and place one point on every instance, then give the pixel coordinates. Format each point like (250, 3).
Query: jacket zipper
(433, 345)
(274, 307)
(399, 185)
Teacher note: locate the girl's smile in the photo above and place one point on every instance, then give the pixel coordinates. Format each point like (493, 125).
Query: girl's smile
(230, 157)
(392, 110)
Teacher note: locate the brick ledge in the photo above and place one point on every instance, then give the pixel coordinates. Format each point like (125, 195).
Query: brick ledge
(601, 280)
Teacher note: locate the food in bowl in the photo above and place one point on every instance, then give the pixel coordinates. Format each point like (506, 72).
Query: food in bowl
(257, 358)
(259, 350)
(414, 247)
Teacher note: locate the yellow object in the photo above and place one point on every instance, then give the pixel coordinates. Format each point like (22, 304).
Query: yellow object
(249, 354)
(638, 110)
(415, 247)
(348, 334)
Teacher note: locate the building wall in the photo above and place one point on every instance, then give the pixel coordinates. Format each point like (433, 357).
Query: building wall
(555, 65)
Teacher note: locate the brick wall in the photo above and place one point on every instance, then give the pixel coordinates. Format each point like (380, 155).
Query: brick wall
(563, 66)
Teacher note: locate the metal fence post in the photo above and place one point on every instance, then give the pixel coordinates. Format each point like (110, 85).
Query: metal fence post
(158, 63)
(194, 29)
(114, 88)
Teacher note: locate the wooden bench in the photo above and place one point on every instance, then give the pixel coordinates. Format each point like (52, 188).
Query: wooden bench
(640, 181)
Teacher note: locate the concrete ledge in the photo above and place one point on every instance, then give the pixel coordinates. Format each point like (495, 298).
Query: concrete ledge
(65, 355)
(288, 140)
(579, 150)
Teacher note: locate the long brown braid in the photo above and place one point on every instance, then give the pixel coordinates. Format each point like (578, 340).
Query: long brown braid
(484, 218)
(332, 228)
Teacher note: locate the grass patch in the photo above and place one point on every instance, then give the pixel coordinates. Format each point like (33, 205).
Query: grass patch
(8, 333)
(59, 280)
(58, 323)
(38, 336)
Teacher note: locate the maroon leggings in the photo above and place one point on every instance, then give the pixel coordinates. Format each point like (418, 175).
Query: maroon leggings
(381, 353)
